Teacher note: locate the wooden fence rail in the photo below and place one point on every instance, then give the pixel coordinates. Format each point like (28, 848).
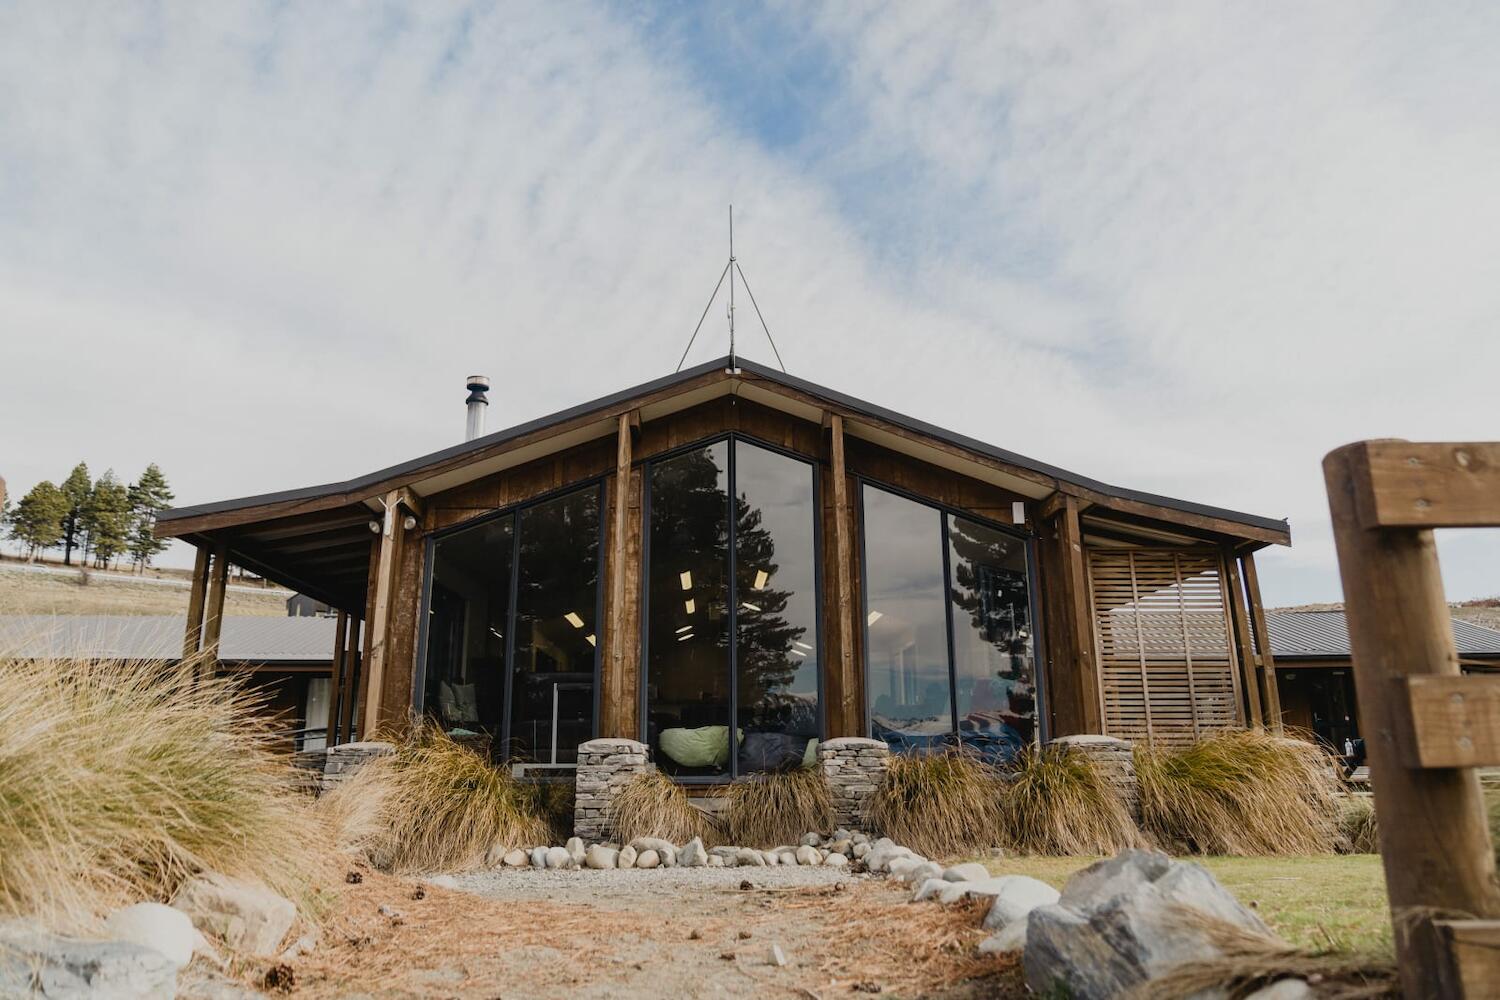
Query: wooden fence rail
(1426, 725)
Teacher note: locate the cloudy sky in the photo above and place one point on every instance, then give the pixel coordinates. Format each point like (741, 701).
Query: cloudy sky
(1186, 248)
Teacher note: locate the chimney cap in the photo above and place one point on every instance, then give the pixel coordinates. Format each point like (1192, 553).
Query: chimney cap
(478, 385)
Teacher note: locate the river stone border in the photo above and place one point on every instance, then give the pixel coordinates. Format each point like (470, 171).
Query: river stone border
(605, 766)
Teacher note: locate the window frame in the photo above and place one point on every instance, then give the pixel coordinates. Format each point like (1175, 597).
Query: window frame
(516, 511)
(815, 466)
(945, 511)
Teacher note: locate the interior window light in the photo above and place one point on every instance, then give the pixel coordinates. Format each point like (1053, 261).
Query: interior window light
(689, 606)
(686, 576)
(573, 619)
(874, 617)
(761, 577)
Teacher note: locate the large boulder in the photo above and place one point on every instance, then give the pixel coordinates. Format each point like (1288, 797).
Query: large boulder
(665, 849)
(692, 854)
(599, 857)
(1124, 921)
(154, 925)
(973, 871)
(34, 963)
(250, 919)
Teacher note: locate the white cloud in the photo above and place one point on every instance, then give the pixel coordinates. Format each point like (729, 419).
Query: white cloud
(1187, 250)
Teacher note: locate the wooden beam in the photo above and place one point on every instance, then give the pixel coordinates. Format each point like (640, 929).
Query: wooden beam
(213, 620)
(1473, 957)
(376, 663)
(352, 679)
(192, 637)
(1417, 485)
(1080, 619)
(1265, 659)
(850, 714)
(1434, 839)
(612, 721)
(336, 679)
(1242, 639)
(1056, 502)
(1455, 721)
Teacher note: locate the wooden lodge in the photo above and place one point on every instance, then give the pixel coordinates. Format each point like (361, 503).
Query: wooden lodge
(732, 543)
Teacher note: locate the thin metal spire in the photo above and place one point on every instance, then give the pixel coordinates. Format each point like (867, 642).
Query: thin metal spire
(731, 269)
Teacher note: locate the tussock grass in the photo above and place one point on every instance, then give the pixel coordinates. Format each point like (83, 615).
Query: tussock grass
(1056, 803)
(1240, 792)
(941, 804)
(777, 808)
(653, 805)
(1357, 826)
(435, 805)
(120, 780)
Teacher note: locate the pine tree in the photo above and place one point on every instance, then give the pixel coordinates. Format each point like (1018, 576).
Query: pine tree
(106, 519)
(75, 489)
(36, 521)
(148, 495)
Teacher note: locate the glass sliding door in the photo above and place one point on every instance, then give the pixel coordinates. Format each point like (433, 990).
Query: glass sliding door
(776, 610)
(908, 686)
(732, 611)
(468, 620)
(950, 655)
(992, 644)
(557, 629)
(512, 630)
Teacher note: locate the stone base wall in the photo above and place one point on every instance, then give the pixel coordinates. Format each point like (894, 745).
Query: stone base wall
(604, 767)
(853, 767)
(1115, 761)
(341, 762)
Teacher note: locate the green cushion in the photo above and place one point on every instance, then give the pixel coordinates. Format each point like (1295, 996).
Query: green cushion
(810, 758)
(705, 747)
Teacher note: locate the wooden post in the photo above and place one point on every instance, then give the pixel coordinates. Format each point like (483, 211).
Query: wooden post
(613, 711)
(380, 616)
(1080, 620)
(335, 679)
(214, 616)
(850, 712)
(349, 699)
(192, 637)
(1433, 837)
(1265, 660)
(1242, 638)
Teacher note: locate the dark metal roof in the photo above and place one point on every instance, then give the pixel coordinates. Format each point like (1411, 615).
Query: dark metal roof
(1297, 635)
(246, 639)
(858, 406)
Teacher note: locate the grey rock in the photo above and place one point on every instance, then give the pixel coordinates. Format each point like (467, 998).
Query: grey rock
(1121, 922)
(249, 919)
(558, 857)
(647, 859)
(836, 861)
(599, 857)
(973, 871)
(922, 872)
(929, 889)
(788, 856)
(514, 859)
(861, 848)
(665, 849)
(626, 857)
(777, 957)
(1018, 896)
(442, 881)
(807, 855)
(716, 861)
(155, 926)
(772, 858)
(750, 857)
(810, 840)
(1284, 989)
(1011, 939)
(692, 854)
(539, 857)
(575, 850)
(842, 846)
(34, 963)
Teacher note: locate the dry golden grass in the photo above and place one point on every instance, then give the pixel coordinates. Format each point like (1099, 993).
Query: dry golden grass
(76, 592)
(768, 810)
(940, 804)
(1056, 803)
(1357, 826)
(119, 780)
(653, 805)
(434, 805)
(1240, 792)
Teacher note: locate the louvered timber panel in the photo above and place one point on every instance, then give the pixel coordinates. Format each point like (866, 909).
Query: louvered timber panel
(1166, 655)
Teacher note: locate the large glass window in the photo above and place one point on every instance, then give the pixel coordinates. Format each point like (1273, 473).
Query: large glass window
(512, 631)
(948, 635)
(733, 552)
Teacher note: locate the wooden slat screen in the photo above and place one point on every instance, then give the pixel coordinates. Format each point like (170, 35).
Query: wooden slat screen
(1166, 656)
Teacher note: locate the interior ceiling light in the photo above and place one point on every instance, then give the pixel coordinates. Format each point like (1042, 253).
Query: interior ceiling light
(748, 606)
(573, 619)
(761, 576)
(497, 635)
(798, 652)
(591, 639)
(684, 637)
(689, 605)
(685, 628)
(686, 576)
(802, 644)
(875, 616)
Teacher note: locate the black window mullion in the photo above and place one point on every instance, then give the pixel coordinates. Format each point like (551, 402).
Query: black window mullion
(732, 589)
(948, 615)
(510, 630)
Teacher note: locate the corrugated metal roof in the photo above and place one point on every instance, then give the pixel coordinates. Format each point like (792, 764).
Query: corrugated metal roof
(1314, 634)
(253, 639)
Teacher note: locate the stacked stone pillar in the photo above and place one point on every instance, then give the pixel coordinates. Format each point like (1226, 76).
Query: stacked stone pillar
(341, 762)
(605, 766)
(1114, 759)
(853, 767)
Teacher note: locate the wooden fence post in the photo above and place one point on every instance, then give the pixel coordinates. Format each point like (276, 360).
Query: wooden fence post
(1439, 864)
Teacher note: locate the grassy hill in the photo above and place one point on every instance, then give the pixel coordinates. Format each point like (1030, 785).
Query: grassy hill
(73, 592)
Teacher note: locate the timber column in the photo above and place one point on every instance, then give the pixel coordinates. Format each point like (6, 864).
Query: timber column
(381, 612)
(1072, 666)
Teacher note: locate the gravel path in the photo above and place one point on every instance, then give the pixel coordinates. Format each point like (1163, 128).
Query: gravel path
(619, 888)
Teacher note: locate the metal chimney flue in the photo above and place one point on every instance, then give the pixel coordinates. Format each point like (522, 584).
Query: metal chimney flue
(477, 403)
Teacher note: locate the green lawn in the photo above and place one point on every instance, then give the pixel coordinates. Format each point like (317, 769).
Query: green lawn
(1324, 902)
